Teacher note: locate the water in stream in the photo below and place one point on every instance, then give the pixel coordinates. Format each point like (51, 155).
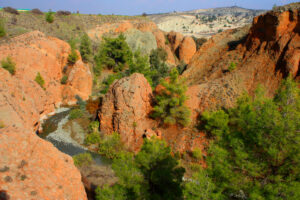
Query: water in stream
(60, 136)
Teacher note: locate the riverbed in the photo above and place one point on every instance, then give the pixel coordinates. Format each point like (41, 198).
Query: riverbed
(67, 137)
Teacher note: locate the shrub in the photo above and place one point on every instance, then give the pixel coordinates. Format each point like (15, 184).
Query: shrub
(181, 67)
(85, 48)
(92, 138)
(64, 80)
(232, 66)
(109, 80)
(197, 154)
(2, 29)
(199, 42)
(195, 167)
(9, 65)
(37, 11)
(11, 10)
(170, 100)
(110, 146)
(63, 13)
(94, 126)
(39, 79)
(75, 114)
(114, 53)
(50, 17)
(73, 56)
(80, 103)
(2, 125)
(82, 159)
(167, 40)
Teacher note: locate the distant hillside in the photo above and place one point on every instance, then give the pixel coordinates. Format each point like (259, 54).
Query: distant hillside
(205, 22)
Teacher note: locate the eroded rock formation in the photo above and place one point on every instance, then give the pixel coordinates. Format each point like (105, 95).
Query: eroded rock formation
(31, 168)
(23, 100)
(125, 109)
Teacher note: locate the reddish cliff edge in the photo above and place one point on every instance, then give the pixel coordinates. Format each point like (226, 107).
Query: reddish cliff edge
(31, 168)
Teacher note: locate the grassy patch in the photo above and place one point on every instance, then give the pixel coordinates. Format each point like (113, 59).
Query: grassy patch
(75, 114)
(9, 65)
(40, 80)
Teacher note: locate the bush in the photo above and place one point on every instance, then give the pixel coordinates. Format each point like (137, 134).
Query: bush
(50, 17)
(114, 53)
(94, 126)
(232, 66)
(197, 154)
(2, 29)
(85, 48)
(181, 67)
(109, 80)
(39, 79)
(63, 13)
(82, 159)
(110, 146)
(9, 65)
(37, 11)
(75, 114)
(64, 80)
(199, 42)
(11, 10)
(73, 56)
(80, 103)
(92, 138)
(169, 101)
(2, 125)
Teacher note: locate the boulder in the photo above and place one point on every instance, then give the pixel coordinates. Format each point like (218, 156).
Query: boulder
(125, 109)
(32, 168)
(187, 49)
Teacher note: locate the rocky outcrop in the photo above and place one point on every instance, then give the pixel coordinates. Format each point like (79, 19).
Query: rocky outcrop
(145, 42)
(24, 101)
(187, 49)
(125, 109)
(263, 56)
(32, 168)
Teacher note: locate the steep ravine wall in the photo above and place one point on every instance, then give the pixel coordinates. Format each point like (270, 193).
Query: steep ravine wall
(31, 168)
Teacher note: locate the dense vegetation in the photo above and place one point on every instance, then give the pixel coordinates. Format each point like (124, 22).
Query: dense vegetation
(170, 100)
(152, 174)
(253, 154)
(2, 28)
(255, 150)
(73, 56)
(85, 48)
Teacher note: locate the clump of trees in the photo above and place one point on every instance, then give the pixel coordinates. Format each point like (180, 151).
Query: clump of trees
(82, 159)
(36, 11)
(152, 174)
(255, 150)
(170, 101)
(9, 65)
(114, 53)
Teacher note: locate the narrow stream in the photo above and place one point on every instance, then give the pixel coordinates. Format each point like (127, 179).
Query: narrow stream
(54, 131)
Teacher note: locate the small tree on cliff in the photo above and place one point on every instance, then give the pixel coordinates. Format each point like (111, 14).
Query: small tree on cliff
(170, 100)
(85, 48)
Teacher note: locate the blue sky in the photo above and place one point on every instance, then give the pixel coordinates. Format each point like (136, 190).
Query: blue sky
(135, 7)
